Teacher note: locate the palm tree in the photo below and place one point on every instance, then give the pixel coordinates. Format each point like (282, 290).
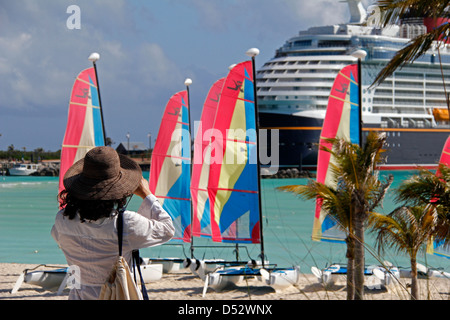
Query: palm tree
(337, 204)
(405, 229)
(358, 192)
(426, 214)
(430, 188)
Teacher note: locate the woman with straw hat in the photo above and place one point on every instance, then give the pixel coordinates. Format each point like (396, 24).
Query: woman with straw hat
(96, 188)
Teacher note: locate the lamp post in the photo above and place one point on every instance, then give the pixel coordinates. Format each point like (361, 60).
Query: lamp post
(128, 146)
(149, 136)
(360, 55)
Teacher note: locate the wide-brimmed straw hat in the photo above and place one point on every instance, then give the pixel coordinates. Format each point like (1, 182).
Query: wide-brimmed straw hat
(103, 174)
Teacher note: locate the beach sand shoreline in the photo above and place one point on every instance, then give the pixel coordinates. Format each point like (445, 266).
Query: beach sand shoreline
(183, 285)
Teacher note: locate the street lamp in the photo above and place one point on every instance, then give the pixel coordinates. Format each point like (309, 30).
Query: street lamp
(94, 56)
(360, 55)
(149, 136)
(128, 147)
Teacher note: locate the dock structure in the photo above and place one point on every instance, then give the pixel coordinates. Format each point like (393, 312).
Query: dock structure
(4, 167)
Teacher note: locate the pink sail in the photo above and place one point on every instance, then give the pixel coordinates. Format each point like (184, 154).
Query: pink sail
(445, 155)
(233, 177)
(438, 246)
(201, 216)
(341, 121)
(84, 129)
(170, 168)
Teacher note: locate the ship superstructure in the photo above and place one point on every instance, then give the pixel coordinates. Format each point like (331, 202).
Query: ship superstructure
(410, 106)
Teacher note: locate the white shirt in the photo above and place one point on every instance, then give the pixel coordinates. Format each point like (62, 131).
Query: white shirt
(92, 246)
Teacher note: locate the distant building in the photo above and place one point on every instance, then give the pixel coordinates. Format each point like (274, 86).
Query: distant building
(135, 148)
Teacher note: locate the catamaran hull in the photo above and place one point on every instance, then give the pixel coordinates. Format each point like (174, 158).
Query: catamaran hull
(219, 282)
(169, 265)
(202, 268)
(282, 279)
(48, 280)
(151, 272)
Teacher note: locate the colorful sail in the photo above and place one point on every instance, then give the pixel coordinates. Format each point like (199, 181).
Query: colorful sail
(233, 184)
(201, 216)
(170, 168)
(341, 121)
(84, 129)
(437, 246)
(445, 155)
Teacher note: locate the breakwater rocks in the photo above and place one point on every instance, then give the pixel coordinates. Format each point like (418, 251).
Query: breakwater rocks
(286, 174)
(48, 170)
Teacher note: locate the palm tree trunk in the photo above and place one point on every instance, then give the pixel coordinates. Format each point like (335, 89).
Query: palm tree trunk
(350, 267)
(359, 254)
(414, 283)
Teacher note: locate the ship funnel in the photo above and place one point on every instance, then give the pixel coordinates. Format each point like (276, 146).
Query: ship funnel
(357, 12)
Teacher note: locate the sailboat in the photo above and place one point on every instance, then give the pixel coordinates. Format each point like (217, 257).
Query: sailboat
(437, 246)
(201, 217)
(84, 131)
(85, 126)
(234, 179)
(204, 154)
(342, 121)
(170, 170)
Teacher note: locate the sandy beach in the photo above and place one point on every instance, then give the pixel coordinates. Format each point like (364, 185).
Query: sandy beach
(183, 285)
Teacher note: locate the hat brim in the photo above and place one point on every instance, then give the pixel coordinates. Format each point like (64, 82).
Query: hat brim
(110, 189)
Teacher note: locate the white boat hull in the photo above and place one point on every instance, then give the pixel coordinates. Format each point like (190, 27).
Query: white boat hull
(202, 268)
(282, 279)
(151, 272)
(50, 280)
(387, 277)
(438, 274)
(23, 170)
(170, 265)
(326, 277)
(219, 281)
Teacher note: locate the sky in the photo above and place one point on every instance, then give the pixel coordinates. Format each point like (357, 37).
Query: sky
(147, 49)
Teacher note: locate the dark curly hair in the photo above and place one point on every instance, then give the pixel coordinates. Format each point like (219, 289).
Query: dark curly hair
(91, 210)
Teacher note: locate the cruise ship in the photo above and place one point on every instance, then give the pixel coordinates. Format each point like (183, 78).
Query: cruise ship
(410, 106)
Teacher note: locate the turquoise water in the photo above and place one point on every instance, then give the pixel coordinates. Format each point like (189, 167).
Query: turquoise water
(28, 206)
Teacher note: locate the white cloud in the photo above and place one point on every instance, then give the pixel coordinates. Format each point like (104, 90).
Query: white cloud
(317, 13)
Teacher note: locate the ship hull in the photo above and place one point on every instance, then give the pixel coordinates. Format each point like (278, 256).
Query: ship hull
(406, 148)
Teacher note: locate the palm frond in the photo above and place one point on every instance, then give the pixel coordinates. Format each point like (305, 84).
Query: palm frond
(425, 187)
(394, 10)
(405, 229)
(380, 193)
(415, 49)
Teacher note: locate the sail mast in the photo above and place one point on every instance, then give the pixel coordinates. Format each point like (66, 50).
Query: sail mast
(94, 57)
(360, 55)
(187, 83)
(253, 52)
